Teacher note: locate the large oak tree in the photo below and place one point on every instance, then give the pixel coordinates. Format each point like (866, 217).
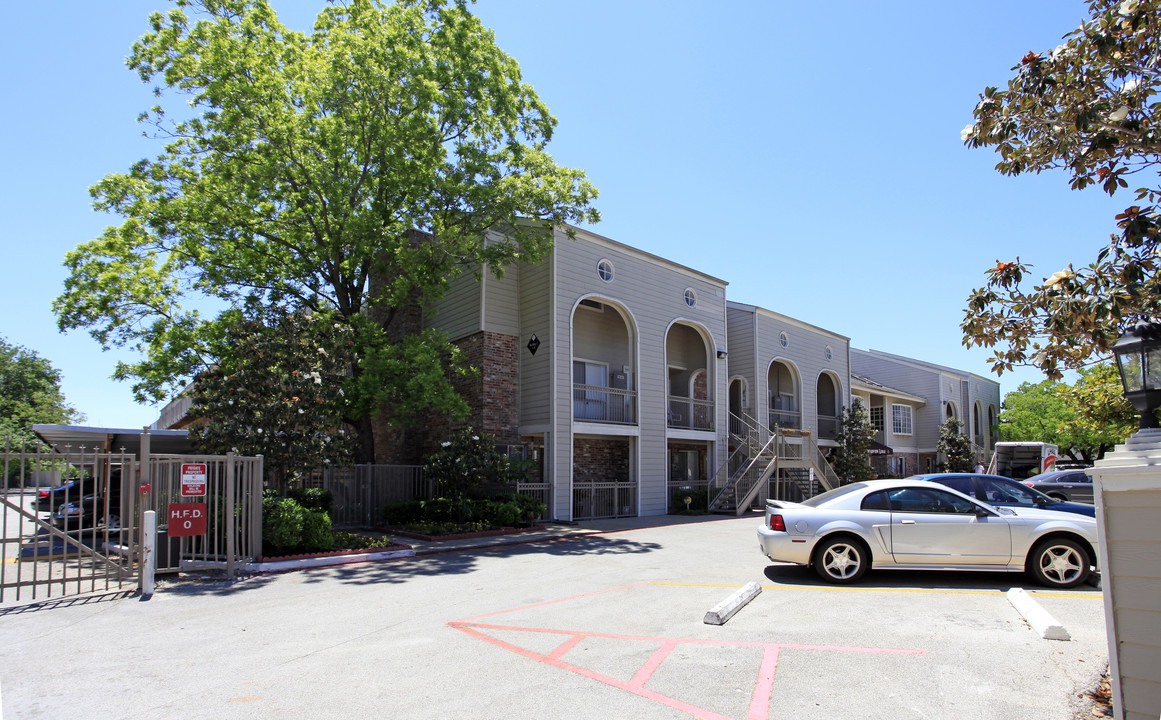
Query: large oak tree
(353, 170)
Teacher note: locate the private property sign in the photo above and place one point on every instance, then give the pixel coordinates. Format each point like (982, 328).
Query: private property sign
(187, 519)
(193, 479)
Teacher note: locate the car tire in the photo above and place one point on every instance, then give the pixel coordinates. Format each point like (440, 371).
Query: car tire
(841, 560)
(1058, 563)
(113, 522)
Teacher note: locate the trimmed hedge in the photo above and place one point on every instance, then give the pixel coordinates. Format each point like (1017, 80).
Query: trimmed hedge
(508, 510)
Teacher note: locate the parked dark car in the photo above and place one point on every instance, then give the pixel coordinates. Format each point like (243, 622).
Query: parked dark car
(1003, 492)
(68, 491)
(88, 512)
(1071, 485)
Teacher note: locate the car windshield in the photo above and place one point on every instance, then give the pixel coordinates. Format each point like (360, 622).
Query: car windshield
(1009, 491)
(832, 494)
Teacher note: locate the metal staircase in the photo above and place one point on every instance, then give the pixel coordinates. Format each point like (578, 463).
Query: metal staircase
(752, 462)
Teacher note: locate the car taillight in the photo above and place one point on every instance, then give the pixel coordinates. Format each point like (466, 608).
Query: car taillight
(1028, 483)
(43, 494)
(777, 523)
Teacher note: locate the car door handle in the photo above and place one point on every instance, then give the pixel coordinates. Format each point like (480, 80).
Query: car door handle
(906, 522)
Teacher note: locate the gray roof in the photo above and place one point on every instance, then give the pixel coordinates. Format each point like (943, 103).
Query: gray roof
(168, 442)
(882, 389)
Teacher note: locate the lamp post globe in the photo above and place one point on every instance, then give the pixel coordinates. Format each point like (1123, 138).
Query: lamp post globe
(1138, 355)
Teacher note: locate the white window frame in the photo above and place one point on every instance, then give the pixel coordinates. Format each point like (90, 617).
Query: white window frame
(897, 419)
(612, 272)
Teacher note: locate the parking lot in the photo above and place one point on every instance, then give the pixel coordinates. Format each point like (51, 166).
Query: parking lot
(607, 625)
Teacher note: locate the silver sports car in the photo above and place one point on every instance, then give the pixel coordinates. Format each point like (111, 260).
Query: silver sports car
(907, 524)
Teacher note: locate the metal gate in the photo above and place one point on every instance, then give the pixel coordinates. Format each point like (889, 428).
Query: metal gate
(233, 499)
(70, 523)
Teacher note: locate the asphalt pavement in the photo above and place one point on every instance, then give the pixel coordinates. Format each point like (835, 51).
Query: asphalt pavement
(595, 620)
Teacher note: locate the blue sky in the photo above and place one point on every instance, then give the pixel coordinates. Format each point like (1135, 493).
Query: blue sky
(809, 154)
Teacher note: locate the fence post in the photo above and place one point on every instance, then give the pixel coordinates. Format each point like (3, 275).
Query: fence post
(256, 483)
(149, 553)
(136, 516)
(231, 521)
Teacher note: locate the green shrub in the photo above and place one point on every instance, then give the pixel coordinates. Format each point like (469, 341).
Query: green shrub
(316, 532)
(403, 513)
(313, 498)
(699, 502)
(282, 520)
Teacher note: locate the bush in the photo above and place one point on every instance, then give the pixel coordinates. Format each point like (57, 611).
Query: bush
(312, 498)
(317, 534)
(403, 513)
(699, 500)
(508, 510)
(282, 520)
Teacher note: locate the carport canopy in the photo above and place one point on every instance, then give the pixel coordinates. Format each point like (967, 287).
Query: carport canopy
(167, 442)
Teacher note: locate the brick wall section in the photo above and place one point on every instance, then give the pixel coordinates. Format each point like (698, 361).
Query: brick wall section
(492, 396)
(596, 460)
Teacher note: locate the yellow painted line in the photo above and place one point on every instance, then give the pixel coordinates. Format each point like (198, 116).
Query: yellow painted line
(890, 590)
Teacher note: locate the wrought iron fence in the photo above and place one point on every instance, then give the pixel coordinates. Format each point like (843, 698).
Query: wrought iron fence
(690, 413)
(600, 500)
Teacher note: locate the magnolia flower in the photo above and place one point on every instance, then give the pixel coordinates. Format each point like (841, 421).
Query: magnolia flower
(317, 379)
(967, 132)
(1065, 274)
(1119, 114)
(1131, 85)
(445, 443)
(1128, 7)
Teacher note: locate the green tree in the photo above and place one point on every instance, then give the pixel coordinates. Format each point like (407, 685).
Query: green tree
(1087, 108)
(277, 392)
(355, 170)
(465, 462)
(855, 434)
(1084, 420)
(30, 394)
(955, 446)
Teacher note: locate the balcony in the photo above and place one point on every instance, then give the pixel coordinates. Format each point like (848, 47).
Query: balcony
(690, 414)
(786, 419)
(594, 403)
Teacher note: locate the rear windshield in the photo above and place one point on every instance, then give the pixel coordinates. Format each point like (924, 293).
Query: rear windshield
(832, 494)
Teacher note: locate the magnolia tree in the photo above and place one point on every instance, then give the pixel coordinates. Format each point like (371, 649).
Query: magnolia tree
(352, 171)
(1087, 108)
(955, 446)
(277, 392)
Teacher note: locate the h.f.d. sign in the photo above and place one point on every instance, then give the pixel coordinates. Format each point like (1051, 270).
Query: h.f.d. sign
(193, 479)
(187, 519)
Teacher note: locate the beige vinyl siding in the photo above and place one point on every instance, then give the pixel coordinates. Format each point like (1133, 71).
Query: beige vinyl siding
(651, 292)
(1134, 553)
(535, 304)
(502, 302)
(806, 355)
(457, 313)
(741, 360)
(910, 379)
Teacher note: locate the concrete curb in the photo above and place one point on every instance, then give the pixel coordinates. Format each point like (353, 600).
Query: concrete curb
(726, 609)
(306, 563)
(1036, 616)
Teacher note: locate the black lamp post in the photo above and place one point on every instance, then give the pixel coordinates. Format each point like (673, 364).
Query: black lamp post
(1139, 362)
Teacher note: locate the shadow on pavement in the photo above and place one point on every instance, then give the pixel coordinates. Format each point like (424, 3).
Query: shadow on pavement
(65, 602)
(800, 576)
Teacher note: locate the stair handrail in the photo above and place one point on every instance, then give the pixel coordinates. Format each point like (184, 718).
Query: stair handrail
(826, 473)
(736, 478)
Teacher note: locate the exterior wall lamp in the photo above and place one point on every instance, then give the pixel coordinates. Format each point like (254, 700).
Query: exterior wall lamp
(721, 354)
(1139, 363)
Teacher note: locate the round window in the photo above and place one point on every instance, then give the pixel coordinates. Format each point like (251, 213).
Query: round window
(783, 339)
(829, 354)
(690, 297)
(605, 270)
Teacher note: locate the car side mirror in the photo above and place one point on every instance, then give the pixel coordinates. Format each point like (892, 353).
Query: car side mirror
(981, 511)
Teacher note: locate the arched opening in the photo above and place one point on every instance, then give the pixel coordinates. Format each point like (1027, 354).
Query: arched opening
(602, 364)
(690, 381)
(829, 405)
(785, 408)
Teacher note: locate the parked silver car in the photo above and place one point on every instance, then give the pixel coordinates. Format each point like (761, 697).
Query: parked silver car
(915, 525)
(1070, 485)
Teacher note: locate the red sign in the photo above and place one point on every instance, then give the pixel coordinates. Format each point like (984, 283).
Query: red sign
(187, 519)
(193, 479)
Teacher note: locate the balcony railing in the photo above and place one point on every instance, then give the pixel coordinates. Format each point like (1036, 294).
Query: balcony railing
(594, 403)
(786, 419)
(827, 427)
(690, 413)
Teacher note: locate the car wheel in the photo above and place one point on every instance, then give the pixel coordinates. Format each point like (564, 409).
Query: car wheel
(113, 522)
(841, 560)
(1058, 563)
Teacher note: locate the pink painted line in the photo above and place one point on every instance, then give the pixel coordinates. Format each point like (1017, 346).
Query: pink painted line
(652, 664)
(612, 682)
(552, 602)
(764, 690)
(566, 646)
(691, 641)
